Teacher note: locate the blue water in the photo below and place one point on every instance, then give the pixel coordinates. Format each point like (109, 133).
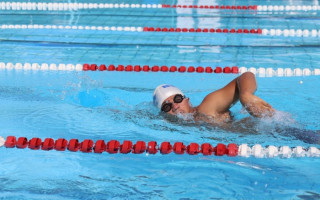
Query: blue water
(117, 105)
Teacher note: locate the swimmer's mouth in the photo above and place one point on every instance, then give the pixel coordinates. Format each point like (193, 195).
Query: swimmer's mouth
(181, 112)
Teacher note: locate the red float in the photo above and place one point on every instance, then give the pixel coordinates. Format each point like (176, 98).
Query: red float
(182, 69)
(227, 70)
(93, 67)
(173, 69)
(86, 67)
(206, 149)
(179, 148)
(139, 147)
(137, 68)
(155, 68)
(232, 150)
(220, 149)
(152, 147)
(129, 68)
(10, 142)
(113, 146)
(60, 144)
(200, 69)
(191, 69)
(218, 70)
(48, 144)
(209, 70)
(99, 147)
(146, 68)
(193, 149)
(86, 146)
(120, 68)
(102, 67)
(164, 69)
(22, 142)
(111, 68)
(235, 70)
(73, 145)
(35, 143)
(126, 147)
(165, 148)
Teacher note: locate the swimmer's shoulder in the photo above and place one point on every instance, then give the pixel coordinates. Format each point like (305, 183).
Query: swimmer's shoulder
(211, 116)
(208, 109)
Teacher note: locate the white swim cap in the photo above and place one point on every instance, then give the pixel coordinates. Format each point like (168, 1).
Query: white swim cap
(162, 92)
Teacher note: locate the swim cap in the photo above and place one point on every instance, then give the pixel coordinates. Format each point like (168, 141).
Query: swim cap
(162, 92)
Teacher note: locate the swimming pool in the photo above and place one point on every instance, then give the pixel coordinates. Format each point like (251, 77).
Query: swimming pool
(45, 94)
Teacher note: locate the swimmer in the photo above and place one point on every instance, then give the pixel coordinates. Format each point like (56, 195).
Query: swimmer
(215, 106)
(214, 109)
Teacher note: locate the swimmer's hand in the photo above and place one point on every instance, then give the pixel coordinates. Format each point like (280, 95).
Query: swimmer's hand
(256, 106)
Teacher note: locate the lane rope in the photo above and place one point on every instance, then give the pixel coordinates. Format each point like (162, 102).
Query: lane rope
(203, 30)
(261, 72)
(82, 6)
(131, 29)
(259, 31)
(288, 8)
(152, 147)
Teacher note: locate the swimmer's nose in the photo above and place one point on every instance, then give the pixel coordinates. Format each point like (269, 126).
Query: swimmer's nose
(175, 107)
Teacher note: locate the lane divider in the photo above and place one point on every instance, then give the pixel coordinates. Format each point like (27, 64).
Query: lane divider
(292, 32)
(262, 72)
(288, 8)
(67, 27)
(152, 147)
(259, 31)
(203, 30)
(218, 7)
(131, 29)
(81, 6)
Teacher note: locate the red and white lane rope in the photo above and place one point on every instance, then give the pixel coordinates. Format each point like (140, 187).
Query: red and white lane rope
(152, 147)
(84, 6)
(132, 29)
(271, 32)
(262, 72)
(5, 5)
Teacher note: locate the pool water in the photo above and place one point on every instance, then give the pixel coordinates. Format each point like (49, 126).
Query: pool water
(118, 105)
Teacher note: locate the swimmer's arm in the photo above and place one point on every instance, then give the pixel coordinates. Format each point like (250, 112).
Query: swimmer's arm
(243, 88)
(221, 100)
(257, 107)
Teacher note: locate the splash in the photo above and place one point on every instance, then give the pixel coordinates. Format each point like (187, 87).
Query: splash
(273, 123)
(186, 116)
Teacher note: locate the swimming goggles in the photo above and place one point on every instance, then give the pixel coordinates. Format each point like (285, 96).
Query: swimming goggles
(167, 106)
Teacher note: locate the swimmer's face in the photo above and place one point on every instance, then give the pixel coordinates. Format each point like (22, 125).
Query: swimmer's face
(178, 108)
